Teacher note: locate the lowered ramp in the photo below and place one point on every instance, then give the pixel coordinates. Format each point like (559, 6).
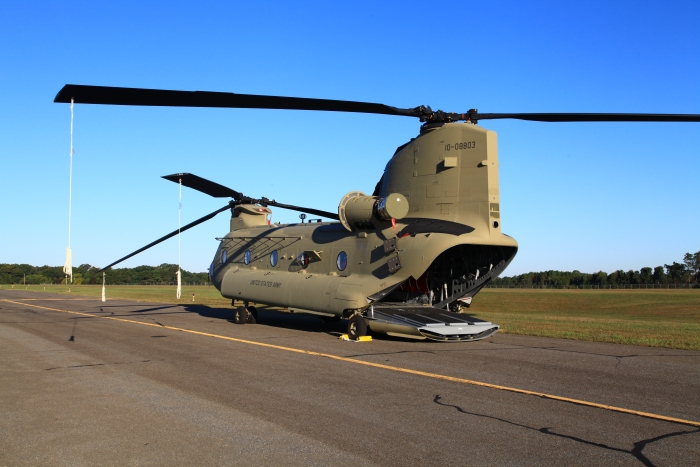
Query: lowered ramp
(425, 322)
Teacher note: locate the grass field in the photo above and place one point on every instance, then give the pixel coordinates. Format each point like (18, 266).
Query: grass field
(657, 318)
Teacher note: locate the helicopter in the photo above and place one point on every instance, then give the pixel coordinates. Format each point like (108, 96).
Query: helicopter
(401, 260)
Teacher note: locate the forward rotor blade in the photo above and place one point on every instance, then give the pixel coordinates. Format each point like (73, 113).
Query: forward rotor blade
(205, 186)
(82, 94)
(589, 117)
(315, 212)
(171, 234)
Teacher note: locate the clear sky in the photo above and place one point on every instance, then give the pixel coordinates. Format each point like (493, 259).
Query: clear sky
(586, 196)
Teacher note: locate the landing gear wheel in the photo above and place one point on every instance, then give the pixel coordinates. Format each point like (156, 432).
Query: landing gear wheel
(357, 327)
(252, 315)
(240, 316)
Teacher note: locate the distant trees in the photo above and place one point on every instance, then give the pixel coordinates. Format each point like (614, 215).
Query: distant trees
(659, 276)
(687, 272)
(87, 274)
(692, 266)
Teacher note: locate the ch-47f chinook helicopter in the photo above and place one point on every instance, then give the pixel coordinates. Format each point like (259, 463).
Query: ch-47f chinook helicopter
(398, 261)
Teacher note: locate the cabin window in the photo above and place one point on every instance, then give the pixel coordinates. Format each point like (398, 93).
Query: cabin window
(211, 272)
(342, 261)
(246, 257)
(274, 256)
(224, 257)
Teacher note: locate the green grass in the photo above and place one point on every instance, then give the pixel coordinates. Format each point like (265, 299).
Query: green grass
(657, 318)
(203, 295)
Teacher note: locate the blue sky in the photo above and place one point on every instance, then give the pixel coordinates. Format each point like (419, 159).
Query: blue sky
(585, 196)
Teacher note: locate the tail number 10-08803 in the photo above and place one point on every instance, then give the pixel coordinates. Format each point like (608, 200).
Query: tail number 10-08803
(460, 146)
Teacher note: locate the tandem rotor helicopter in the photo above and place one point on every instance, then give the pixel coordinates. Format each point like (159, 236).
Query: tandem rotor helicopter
(400, 260)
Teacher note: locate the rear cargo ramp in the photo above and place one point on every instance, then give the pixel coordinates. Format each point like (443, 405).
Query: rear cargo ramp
(424, 322)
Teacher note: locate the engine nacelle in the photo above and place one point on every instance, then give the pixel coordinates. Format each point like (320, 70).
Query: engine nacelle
(356, 210)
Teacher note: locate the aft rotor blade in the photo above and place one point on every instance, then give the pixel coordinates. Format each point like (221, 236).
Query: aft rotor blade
(588, 117)
(171, 234)
(205, 186)
(82, 94)
(315, 212)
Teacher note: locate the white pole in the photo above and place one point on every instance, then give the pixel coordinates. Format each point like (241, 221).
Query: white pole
(179, 210)
(70, 176)
(68, 267)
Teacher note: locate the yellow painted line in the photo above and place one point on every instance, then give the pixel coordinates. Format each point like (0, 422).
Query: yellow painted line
(388, 367)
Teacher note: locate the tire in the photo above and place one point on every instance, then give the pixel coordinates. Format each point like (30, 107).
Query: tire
(240, 316)
(357, 327)
(252, 315)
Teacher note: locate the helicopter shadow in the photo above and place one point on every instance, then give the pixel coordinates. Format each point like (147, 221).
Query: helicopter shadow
(293, 321)
(277, 319)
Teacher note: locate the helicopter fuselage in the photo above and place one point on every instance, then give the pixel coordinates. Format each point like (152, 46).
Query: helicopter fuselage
(447, 247)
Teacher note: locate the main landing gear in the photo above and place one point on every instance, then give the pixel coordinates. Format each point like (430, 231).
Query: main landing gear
(244, 315)
(357, 327)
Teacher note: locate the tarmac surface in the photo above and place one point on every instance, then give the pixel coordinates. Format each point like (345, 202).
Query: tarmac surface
(124, 383)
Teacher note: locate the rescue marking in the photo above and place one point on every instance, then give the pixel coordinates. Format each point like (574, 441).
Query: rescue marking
(453, 379)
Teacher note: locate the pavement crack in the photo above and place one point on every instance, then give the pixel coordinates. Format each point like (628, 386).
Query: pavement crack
(75, 366)
(144, 310)
(636, 451)
(87, 365)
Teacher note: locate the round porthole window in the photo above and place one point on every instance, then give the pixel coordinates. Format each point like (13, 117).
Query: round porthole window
(342, 261)
(224, 256)
(274, 256)
(246, 257)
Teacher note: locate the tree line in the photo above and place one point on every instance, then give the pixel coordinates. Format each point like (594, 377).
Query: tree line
(687, 272)
(87, 274)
